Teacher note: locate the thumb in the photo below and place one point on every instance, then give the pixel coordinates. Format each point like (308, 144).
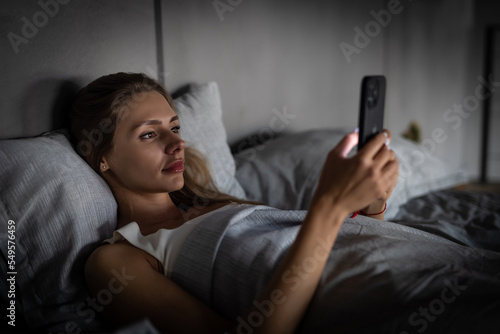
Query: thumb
(347, 144)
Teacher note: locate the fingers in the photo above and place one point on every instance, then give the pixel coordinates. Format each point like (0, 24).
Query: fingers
(354, 183)
(391, 173)
(383, 156)
(384, 166)
(371, 148)
(374, 145)
(391, 169)
(346, 144)
(389, 135)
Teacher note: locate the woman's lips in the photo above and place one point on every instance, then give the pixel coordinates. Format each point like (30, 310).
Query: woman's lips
(175, 167)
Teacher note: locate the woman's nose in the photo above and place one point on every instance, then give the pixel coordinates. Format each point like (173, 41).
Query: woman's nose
(175, 146)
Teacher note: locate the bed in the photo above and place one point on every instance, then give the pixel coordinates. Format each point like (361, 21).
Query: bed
(432, 266)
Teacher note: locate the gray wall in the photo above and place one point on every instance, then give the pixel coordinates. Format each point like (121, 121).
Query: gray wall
(269, 57)
(273, 55)
(72, 44)
(426, 64)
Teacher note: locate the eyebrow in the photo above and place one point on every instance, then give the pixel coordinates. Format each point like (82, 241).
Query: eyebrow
(154, 122)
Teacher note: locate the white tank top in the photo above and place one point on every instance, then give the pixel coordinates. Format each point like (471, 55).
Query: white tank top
(164, 244)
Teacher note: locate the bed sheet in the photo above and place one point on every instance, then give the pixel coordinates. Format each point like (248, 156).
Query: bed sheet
(466, 217)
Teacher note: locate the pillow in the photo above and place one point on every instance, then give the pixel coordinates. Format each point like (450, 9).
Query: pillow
(284, 172)
(61, 210)
(200, 116)
(420, 172)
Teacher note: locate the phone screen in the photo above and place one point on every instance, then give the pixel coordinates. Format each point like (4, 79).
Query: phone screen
(371, 108)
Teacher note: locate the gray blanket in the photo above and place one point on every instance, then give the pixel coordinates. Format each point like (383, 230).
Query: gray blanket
(409, 276)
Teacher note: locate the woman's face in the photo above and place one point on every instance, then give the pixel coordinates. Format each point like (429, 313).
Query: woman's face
(147, 154)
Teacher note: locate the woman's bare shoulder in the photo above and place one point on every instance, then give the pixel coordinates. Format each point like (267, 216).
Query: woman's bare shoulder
(110, 256)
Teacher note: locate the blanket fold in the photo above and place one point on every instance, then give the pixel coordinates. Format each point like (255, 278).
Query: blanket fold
(379, 277)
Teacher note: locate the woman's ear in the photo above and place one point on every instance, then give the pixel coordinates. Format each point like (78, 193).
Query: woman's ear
(103, 165)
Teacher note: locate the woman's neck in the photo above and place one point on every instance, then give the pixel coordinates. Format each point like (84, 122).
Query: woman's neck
(152, 211)
(147, 210)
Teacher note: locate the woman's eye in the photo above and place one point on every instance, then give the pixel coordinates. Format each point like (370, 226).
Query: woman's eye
(176, 129)
(148, 135)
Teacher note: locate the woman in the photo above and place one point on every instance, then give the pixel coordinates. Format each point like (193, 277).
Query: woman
(159, 184)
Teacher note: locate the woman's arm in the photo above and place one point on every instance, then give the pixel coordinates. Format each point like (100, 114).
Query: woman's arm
(127, 287)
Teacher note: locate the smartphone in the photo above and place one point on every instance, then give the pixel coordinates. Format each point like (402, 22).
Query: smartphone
(371, 108)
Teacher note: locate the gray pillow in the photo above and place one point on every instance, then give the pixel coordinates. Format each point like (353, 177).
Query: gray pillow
(200, 115)
(284, 172)
(61, 210)
(420, 172)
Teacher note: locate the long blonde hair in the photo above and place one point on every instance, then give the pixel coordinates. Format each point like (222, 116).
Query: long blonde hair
(100, 105)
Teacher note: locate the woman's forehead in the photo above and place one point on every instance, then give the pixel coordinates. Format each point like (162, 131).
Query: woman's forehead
(144, 107)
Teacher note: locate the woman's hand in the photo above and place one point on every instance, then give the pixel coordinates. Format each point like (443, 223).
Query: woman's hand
(379, 205)
(357, 182)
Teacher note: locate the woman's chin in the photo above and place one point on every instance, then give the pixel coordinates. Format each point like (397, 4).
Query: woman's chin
(174, 186)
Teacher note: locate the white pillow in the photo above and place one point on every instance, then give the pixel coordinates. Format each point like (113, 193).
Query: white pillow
(200, 116)
(284, 172)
